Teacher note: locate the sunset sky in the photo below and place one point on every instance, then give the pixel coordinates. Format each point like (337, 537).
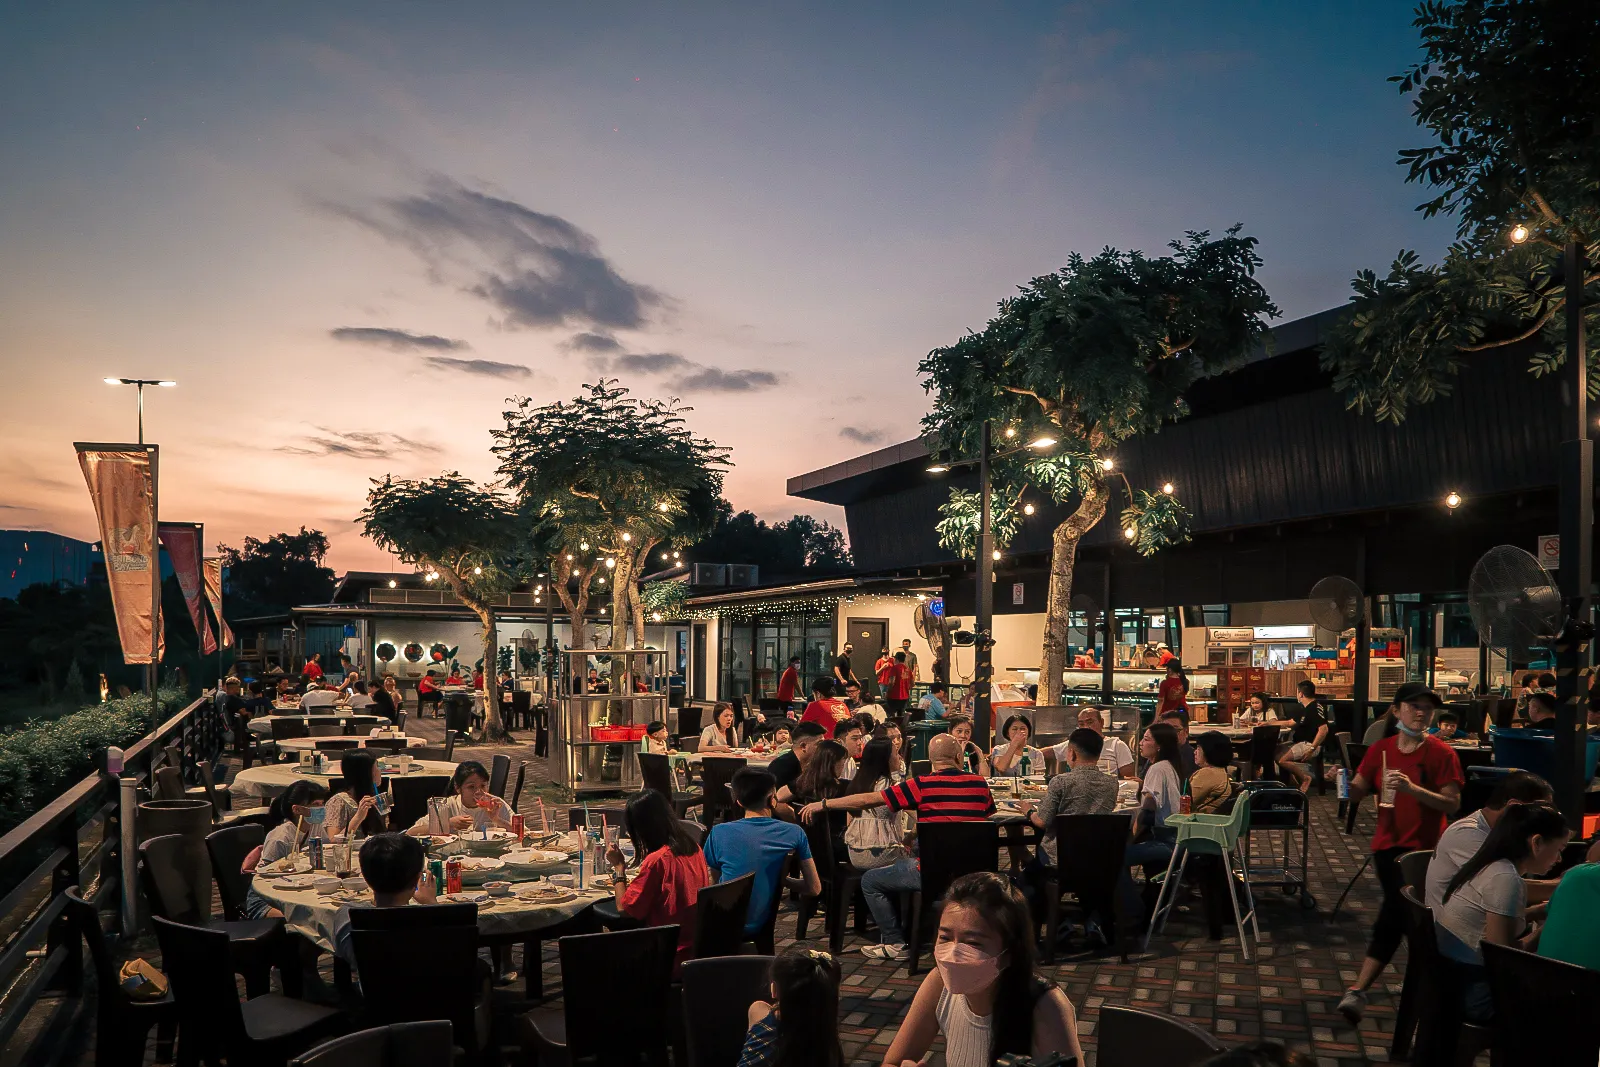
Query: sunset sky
(351, 230)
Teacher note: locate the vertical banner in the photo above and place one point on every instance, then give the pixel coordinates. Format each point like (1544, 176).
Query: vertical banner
(184, 543)
(213, 574)
(122, 486)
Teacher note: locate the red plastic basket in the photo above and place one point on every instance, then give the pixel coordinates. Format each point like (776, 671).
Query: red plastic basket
(616, 733)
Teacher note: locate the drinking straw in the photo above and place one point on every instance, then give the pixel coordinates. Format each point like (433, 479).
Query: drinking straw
(586, 823)
(544, 821)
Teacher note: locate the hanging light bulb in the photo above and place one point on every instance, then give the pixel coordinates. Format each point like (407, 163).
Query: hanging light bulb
(1011, 431)
(1027, 509)
(675, 555)
(477, 570)
(1453, 500)
(1167, 488)
(610, 563)
(1107, 463)
(392, 583)
(1130, 532)
(601, 580)
(602, 611)
(655, 616)
(663, 506)
(626, 537)
(665, 556)
(1520, 233)
(570, 557)
(996, 554)
(430, 576)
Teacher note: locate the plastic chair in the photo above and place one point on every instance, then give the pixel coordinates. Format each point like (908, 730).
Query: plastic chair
(334, 744)
(1093, 847)
(720, 910)
(521, 708)
(499, 772)
(1209, 835)
(1541, 1008)
(227, 849)
(264, 1030)
(388, 944)
(715, 774)
(383, 744)
(411, 793)
(948, 850)
(285, 729)
(1130, 1037)
(840, 882)
(656, 770)
(1413, 873)
(175, 872)
(1441, 1034)
(1263, 752)
(717, 994)
(1414, 869)
(397, 1045)
(599, 972)
(122, 1024)
(516, 790)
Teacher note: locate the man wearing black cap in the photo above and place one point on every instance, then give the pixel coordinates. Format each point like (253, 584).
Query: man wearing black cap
(1419, 782)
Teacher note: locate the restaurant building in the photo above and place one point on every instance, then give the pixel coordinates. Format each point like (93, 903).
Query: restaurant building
(1284, 486)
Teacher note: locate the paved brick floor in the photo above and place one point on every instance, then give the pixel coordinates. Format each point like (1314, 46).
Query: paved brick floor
(1286, 991)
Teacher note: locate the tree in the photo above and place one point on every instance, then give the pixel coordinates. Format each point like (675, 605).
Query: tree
(1510, 90)
(276, 574)
(606, 477)
(797, 547)
(469, 536)
(1090, 356)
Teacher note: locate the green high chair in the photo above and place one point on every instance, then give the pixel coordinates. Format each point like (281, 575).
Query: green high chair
(1210, 835)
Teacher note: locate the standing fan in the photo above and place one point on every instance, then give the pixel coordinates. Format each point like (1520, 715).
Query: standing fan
(1337, 604)
(1514, 603)
(934, 629)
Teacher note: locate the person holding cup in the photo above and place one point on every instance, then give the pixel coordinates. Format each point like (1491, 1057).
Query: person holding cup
(470, 805)
(360, 807)
(672, 870)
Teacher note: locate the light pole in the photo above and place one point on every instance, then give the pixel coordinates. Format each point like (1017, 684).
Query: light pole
(141, 383)
(983, 605)
(1576, 572)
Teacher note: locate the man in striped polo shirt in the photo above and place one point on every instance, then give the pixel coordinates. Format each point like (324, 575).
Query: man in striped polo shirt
(948, 794)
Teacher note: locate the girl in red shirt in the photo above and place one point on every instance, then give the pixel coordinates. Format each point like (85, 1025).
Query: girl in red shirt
(672, 871)
(1173, 691)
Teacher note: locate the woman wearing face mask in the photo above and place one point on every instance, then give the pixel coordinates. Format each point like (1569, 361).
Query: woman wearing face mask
(983, 995)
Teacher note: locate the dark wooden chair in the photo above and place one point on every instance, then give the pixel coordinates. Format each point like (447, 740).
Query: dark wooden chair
(411, 793)
(288, 729)
(720, 911)
(1131, 1037)
(227, 849)
(1442, 1036)
(1541, 1008)
(947, 850)
(1091, 850)
(717, 994)
(599, 972)
(841, 882)
(715, 773)
(499, 773)
(656, 770)
(388, 943)
(397, 1045)
(122, 1024)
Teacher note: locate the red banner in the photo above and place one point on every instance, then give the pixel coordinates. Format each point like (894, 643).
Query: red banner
(122, 485)
(185, 545)
(213, 573)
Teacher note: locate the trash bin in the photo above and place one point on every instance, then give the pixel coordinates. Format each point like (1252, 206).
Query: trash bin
(921, 731)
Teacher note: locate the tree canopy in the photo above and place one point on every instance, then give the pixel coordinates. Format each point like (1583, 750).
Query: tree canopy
(275, 574)
(798, 546)
(1510, 91)
(1087, 357)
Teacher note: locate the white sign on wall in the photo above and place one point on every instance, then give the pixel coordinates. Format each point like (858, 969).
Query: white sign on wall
(1549, 551)
(1016, 593)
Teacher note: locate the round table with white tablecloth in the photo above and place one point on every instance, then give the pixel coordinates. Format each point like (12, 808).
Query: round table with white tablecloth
(307, 744)
(751, 758)
(262, 724)
(264, 781)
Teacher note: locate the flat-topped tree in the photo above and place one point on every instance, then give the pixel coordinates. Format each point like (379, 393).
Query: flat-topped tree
(1090, 356)
(609, 476)
(470, 537)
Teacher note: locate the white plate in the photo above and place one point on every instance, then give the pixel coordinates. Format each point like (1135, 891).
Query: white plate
(534, 857)
(295, 882)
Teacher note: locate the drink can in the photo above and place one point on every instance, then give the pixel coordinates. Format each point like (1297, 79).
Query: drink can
(452, 875)
(1185, 804)
(436, 867)
(518, 825)
(1342, 780)
(316, 854)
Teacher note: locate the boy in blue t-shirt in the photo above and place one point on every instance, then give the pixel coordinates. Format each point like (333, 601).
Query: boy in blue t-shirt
(759, 844)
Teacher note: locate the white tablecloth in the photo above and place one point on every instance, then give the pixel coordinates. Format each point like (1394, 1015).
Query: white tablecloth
(754, 759)
(313, 914)
(306, 744)
(265, 781)
(262, 724)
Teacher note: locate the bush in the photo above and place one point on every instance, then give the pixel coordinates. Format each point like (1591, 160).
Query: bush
(39, 761)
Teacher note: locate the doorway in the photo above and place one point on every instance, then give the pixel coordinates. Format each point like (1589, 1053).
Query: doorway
(871, 637)
(697, 677)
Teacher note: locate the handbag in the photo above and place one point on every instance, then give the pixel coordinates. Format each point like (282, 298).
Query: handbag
(141, 981)
(874, 842)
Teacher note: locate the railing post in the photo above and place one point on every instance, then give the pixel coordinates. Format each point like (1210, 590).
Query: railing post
(127, 852)
(63, 934)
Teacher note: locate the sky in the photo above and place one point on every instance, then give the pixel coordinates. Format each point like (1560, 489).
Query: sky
(351, 231)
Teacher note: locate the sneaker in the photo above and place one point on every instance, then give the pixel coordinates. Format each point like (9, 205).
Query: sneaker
(895, 953)
(1353, 1005)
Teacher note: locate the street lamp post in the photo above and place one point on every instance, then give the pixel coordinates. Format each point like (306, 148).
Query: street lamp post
(141, 383)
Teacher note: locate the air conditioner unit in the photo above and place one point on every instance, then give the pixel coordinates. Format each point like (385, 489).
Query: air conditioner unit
(744, 574)
(710, 574)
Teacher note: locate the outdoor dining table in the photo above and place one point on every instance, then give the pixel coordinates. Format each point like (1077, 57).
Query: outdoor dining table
(751, 757)
(262, 724)
(307, 744)
(266, 780)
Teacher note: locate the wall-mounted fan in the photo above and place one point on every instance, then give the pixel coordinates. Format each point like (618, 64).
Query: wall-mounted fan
(1337, 604)
(934, 628)
(1514, 602)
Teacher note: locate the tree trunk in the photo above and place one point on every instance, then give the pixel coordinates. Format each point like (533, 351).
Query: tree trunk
(641, 559)
(493, 728)
(621, 605)
(1063, 554)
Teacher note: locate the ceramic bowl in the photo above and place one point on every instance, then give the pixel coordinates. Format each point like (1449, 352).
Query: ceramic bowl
(327, 886)
(497, 889)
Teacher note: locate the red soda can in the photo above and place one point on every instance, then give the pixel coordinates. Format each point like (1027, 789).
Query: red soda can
(517, 824)
(452, 875)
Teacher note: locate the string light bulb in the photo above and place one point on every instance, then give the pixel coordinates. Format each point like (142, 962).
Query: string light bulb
(1452, 500)
(570, 557)
(477, 570)
(1167, 488)
(392, 583)
(1130, 532)
(1011, 431)
(1520, 233)
(1107, 463)
(626, 537)
(1027, 509)
(583, 546)
(996, 554)
(1042, 442)
(430, 576)
(610, 563)
(663, 506)
(655, 616)
(675, 555)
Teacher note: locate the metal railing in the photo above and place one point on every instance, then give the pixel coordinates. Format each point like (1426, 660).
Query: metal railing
(77, 839)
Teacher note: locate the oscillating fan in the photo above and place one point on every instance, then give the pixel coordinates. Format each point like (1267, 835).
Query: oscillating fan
(1337, 604)
(1514, 603)
(934, 629)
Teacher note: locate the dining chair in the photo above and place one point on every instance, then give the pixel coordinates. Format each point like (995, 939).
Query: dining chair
(388, 944)
(333, 744)
(717, 994)
(264, 1030)
(122, 1024)
(656, 771)
(947, 850)
(840, 882)
(286, 729)
(175, 872)
(521, 708)
(387, 744)
(411, 793)
(1132, 1037)
(1093, 846)
(227, 849)
(716, 772)
(720, 911)
(499, 772)
(598, 972)
(516, 790)
(424, 1044)
(1442, 1036)
(1541, 1008)
(612, 815)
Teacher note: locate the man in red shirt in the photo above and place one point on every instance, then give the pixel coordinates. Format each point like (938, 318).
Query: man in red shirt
(789, 683)
(313, 669)
(1421, 778)
(825, 709)
(895, 678)
(948, 794)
